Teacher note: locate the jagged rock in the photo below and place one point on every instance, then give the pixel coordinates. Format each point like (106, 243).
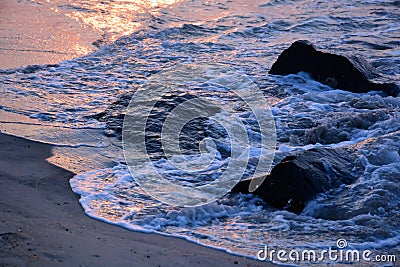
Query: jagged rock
(298, 179)
(346, 73)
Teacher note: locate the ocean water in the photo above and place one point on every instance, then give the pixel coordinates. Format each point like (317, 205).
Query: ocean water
(56, 104)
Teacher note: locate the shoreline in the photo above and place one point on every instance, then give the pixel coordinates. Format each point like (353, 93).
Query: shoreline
(43, 223)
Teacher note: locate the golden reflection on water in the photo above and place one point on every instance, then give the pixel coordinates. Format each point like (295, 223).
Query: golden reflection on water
(116, 18)
(113, 19)
(110, 19)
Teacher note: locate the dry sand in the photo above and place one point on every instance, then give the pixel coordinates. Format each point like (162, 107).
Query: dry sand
(42, 223)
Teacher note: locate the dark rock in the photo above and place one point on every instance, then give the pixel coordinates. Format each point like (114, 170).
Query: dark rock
(31, 69)
(298, 179)
(194, 131)
(114, 115)
(337, 71)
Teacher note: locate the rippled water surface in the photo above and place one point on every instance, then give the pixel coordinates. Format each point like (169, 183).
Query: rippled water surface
(56, 104)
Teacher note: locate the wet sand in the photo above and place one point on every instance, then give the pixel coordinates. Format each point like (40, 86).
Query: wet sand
(42, 223)
(32, 33)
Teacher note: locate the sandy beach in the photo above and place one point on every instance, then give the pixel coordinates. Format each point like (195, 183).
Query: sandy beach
(42, 223)
(69, 68)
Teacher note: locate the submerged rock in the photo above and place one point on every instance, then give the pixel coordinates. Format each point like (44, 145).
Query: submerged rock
(114, 115)
(337, 71)
(342, 126)
(298, 179)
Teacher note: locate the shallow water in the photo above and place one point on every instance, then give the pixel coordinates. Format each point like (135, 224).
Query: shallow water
(55, 104)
